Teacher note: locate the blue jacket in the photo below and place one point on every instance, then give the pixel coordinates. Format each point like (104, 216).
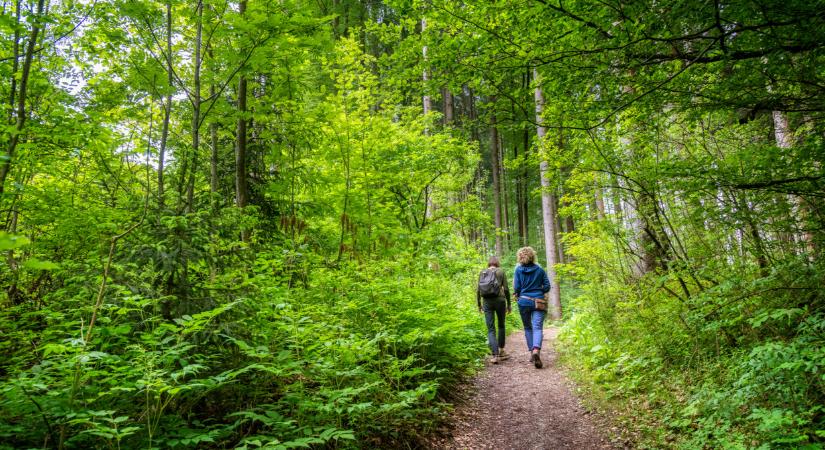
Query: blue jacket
(530, 281)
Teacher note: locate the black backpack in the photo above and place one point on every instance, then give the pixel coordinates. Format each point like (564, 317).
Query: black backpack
(488, 285)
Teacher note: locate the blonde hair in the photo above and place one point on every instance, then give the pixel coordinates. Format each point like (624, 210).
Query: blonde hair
(526, 255)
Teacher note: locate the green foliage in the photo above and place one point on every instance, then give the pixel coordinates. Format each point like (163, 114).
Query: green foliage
(740, 365)
(368, 351)
(345, 321)
(140, 308)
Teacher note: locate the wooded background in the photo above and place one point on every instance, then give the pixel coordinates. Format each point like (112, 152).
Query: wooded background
(258, 224)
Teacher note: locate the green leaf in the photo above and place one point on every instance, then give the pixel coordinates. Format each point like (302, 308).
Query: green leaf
(12, 242)
(37, 264)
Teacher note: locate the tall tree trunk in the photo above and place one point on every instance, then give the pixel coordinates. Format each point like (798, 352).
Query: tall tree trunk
(241, 184)
(547, 202)
(449, 106)
(505, 196)
(213, 140)
(196, 107)
(15, 63)
(598, 194)
(525, 189)
(167, 113)
(494, 150)
(336, 19)
(5, 163)
(559, 229)
(784, 139)
(428, 107)
(519, 200)
(213, 160)
(427, 100)
(11, 219)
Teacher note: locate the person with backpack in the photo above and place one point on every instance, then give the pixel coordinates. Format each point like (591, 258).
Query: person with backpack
(493, 289)
(530, 283)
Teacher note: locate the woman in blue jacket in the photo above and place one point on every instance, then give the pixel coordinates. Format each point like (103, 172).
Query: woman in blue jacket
(530, 282)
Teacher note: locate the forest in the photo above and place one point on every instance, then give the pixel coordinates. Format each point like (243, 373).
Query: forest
(259, 224)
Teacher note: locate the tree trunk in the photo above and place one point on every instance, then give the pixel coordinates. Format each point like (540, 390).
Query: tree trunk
(213, 140)
(5, 163)
(241, 185)
(196, 107)
(213, 160)
(449, 108)
(525, 189)
(505, 196)
(336, 19)
(599, 199)
(559, 228)
(15, 63)
(428, 107)
(547, 202)
(784, 139)
(164, 134)
(427, 100)
(519, 201)
(494, 150)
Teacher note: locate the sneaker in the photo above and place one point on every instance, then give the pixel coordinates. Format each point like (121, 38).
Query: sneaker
(502, 355)
(537, 360)
(494, 359)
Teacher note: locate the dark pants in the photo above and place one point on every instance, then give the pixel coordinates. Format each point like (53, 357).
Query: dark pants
(495, 308)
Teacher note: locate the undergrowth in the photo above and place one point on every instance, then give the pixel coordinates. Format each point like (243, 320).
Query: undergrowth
(738, 365)
(365, 355)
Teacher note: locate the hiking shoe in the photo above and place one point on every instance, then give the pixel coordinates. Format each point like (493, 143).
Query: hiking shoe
(537, 360)
(502, 355)
(494, 359)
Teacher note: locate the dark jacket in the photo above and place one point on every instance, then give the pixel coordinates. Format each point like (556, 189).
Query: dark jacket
(502, 280)
(530, 281)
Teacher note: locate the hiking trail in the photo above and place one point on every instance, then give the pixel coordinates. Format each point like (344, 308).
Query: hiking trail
(513, 405)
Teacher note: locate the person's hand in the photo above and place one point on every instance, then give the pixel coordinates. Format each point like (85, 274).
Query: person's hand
(509, 310)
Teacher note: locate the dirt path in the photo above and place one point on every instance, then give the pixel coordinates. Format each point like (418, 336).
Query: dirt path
(516, 406)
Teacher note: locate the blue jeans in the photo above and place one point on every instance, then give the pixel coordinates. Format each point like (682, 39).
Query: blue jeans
(533, 321)
(495, 308)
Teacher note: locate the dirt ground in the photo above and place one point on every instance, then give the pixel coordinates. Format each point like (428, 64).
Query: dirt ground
(513, 405)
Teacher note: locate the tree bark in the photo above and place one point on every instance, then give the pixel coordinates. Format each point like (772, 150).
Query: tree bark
(525, 190)
(449, 107)
(427, 100)
(784, 140)
(241, 184)
(15, 63)
(213, 140)
(336, 19)
(5, 163)
(167, 113)
(427, 106)
(599, 199)
(494, 150)
(213, 160)
(505, 197)
(547, 202)
(196, 107)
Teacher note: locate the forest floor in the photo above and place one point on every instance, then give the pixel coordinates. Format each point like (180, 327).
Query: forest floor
(513, 405)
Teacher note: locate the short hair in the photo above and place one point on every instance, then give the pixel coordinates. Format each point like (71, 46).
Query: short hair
(493, 261)
(526, 255)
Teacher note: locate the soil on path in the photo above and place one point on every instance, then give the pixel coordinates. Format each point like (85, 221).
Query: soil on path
(513, 405)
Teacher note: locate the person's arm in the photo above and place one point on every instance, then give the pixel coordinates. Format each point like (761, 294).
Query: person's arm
(545, 284)
(478, 297)
(506, 288)
(516, 284)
